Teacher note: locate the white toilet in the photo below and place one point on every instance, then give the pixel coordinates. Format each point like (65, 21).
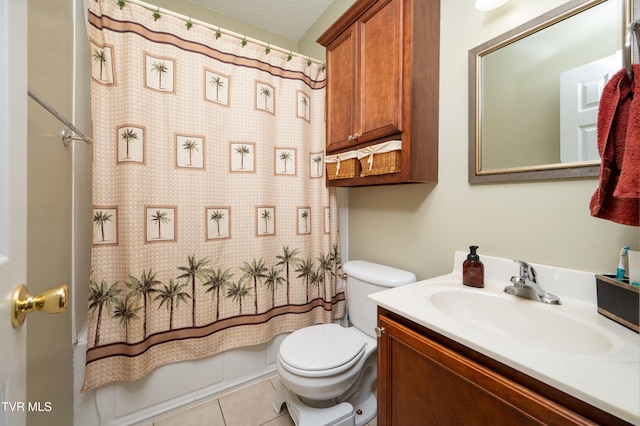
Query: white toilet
(326, 372)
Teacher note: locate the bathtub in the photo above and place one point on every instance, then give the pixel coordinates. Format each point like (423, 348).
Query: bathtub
(169, 388)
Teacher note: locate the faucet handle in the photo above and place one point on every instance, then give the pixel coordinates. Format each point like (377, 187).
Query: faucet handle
(526, 271)
(518, 281)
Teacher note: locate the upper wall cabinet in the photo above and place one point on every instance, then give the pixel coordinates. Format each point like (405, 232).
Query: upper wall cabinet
(382, 85)
(364, 91)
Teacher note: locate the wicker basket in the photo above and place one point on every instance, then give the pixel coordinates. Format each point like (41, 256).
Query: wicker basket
(342, 166)
(380, 159)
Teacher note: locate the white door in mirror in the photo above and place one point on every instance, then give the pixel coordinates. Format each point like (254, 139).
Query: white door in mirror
(580, 92)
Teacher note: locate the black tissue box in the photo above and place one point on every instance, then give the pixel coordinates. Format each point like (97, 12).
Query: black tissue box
(618, 301)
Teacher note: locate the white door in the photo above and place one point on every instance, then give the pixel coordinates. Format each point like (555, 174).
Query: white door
(13, 205)
(580, 91)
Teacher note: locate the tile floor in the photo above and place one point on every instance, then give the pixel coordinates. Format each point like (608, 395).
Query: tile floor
(251, 406)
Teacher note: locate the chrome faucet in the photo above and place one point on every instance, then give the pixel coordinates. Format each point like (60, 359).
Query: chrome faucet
(526, 285)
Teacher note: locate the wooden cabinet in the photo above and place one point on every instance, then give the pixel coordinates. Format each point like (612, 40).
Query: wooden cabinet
(425, 378)
(363, 83)
(382, 84)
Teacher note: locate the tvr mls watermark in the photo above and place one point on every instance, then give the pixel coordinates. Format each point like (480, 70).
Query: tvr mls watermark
(38, 406)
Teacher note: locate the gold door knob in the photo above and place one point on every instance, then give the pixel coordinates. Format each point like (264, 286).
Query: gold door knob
(52, 301)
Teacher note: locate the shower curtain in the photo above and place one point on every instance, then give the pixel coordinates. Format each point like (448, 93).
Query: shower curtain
(212, 225)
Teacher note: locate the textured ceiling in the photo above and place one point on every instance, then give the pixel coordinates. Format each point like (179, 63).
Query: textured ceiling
(288, 18)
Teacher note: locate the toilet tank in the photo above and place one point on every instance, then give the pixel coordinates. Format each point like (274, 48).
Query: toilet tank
(364, 278)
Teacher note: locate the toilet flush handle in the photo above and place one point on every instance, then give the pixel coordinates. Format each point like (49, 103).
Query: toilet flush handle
(379, 331)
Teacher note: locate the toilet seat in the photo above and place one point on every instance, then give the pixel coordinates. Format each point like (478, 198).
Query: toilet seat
(321, 350)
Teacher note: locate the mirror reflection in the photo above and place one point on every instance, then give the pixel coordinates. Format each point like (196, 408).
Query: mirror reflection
(535, 93)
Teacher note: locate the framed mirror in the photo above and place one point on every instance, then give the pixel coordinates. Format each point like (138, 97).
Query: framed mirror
(534, 92)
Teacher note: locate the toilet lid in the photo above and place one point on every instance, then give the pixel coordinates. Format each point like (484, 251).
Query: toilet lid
(320, 348)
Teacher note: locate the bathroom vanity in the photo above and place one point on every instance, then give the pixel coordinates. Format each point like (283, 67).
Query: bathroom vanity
(449, 354)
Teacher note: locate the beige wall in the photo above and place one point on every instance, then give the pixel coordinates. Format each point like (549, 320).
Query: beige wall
(49, 358)
(189, 9)
(307, 44)
(418, 227)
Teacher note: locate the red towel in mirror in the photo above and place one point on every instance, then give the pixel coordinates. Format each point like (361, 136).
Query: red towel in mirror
(618, 193)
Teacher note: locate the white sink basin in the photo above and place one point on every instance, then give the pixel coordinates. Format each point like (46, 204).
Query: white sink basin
(570, 347)
(532, 322)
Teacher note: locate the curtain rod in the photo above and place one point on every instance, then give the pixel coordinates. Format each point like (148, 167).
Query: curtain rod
(223, 31)
(66, 139)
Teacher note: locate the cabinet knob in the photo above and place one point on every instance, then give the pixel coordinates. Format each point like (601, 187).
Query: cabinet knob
(379, 331)
(354, 137)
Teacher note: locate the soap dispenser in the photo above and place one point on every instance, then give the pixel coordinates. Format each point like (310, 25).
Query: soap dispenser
(473, 269)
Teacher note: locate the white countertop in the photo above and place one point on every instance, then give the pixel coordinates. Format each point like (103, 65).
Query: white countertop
(609, 380)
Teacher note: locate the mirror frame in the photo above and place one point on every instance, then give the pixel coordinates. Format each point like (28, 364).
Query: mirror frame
(539, 172)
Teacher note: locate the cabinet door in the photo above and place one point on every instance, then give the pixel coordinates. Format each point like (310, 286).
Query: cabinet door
(423, 382)
(341, 90)
(379, 71)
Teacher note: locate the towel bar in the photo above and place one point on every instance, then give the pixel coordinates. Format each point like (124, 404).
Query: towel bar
(631, 28)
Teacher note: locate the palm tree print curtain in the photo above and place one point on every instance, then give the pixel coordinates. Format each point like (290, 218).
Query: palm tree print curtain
(213, 228)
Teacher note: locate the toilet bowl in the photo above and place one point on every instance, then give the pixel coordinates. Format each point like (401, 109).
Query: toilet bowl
(327, 372)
